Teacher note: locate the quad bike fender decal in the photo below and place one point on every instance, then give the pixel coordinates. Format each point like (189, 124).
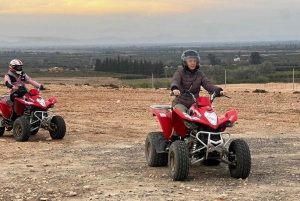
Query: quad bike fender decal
(165, 120)
(6, 110)
(185, 115)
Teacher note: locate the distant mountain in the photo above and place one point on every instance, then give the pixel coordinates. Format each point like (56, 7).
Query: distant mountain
(39, 41)
(159, 39)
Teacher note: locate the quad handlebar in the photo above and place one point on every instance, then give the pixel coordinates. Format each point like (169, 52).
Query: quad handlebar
(212, 96)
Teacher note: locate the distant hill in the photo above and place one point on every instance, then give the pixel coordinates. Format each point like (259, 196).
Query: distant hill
(159, 39)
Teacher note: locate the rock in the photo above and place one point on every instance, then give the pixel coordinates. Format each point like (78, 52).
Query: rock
(223, 197)
(72, 193)
(49, 191)
(86, 188)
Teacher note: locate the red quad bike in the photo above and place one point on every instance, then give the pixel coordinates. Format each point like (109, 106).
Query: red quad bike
(206, 142)
(29, 113)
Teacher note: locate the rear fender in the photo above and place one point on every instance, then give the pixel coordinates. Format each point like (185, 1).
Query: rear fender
(6, 109)
(165, 120)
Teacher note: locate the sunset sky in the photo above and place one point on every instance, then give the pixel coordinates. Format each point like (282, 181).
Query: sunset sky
(209, 20)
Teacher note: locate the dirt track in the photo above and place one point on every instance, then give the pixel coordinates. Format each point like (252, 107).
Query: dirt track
(102, 155)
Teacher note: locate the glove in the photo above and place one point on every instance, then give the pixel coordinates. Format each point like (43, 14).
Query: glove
(42, 87)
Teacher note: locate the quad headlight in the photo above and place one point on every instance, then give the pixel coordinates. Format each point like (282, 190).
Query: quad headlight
(211, 117)
(41, 101)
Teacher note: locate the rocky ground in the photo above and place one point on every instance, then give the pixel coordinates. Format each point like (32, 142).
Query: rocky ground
(102, 155)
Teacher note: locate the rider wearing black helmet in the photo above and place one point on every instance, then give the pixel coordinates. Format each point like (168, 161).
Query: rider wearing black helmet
(190, 78)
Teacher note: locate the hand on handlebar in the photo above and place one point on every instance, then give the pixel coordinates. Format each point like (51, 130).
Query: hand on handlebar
(222, 93)
(176, 92)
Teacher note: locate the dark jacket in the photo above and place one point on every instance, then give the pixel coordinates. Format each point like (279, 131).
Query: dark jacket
(192, 81)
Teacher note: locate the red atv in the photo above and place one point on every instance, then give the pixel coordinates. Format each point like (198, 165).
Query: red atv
(29, 113)
(180, 147)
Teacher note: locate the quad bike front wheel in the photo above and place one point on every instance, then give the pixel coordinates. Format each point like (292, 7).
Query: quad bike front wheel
(21, 129)
(153, 158)
(179, 163)
(57, 127)
(239, 155)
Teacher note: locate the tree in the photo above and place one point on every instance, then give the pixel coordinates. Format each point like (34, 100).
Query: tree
(255, 58)
(213, 59)
(239, 54)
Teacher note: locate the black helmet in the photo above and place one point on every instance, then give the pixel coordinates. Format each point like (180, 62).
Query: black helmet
(189, 54)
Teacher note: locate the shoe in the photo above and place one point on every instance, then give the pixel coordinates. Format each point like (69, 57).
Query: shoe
(190, 125)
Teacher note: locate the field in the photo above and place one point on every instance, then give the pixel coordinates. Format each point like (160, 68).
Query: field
(102, 155)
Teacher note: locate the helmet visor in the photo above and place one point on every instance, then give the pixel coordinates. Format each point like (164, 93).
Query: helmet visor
(18, 67)
(191, 59)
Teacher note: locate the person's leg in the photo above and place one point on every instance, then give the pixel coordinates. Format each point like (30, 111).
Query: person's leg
(183, 108)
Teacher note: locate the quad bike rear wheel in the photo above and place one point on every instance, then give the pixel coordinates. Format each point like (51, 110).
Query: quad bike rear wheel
(179, 163)
(241, 159)
(57, 127)
(153, 158)
(2, 130)
(21, 129)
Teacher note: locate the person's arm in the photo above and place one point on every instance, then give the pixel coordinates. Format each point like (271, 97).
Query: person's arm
(8, 83)
(28, 80)
(176, 80)
(208, 86)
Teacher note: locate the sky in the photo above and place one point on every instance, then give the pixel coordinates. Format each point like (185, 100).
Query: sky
(201, 20)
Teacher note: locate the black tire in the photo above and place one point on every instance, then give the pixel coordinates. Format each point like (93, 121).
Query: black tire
(2, 130)
(21, 129)
(211, 162)
(179, 163)
(58, 127)
(154, 159)
(241, 158)
(34, 132)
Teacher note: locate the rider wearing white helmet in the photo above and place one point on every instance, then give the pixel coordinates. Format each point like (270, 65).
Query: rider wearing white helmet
(16, 77)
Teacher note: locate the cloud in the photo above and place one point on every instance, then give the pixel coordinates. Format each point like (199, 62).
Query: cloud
(106, 7)
(141, 7)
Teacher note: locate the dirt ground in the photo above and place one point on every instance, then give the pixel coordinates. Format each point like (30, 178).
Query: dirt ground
(102, 155)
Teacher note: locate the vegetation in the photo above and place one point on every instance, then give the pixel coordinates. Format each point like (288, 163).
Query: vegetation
(255, 58)
(120, 65)
(213, 59)
(259, 63)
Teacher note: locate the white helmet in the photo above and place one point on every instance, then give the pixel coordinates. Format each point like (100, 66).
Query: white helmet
(16, 66)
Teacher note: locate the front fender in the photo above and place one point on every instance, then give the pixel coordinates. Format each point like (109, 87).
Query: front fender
(230, 116)
(178, 123)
